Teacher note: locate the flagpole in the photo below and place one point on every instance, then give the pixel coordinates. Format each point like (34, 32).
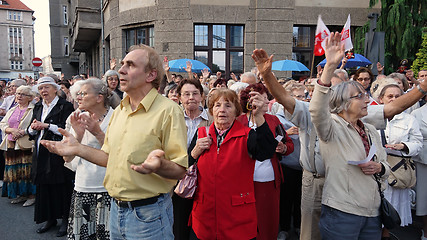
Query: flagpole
(312, 65)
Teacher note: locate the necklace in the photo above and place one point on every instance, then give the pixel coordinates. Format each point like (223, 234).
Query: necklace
(103, 116)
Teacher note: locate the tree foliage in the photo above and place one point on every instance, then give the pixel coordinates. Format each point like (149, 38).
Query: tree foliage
(420, 62)
(402, 22)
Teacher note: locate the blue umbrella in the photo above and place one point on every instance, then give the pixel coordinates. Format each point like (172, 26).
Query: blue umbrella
(178, 65)
(357, 61)
(289, 65)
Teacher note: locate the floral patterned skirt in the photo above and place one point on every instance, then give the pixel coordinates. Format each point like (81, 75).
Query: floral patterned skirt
(17, 174)
(89, 216)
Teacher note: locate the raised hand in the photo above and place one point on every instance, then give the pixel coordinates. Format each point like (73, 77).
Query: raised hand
(205, 73)
(113, 63)
(91, 123)
(344, 62)
(233, 76)
(166, 65)
(78, 126)
(258, 102)
(189, 66)
(334, 49)
(380, 68)
(151, 164)
(262, 61)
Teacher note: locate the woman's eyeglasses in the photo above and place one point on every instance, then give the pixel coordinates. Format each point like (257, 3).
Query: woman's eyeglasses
(23, 94)
(360, 96)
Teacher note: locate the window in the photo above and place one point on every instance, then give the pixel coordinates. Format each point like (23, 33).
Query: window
(66, 47)
(14, 16)
(65, 14)
(220, 47)
(303, 45)
(16, 65)
(144, 35)
(15, 42)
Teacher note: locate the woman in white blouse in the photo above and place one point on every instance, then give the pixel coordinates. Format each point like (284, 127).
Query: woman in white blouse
(420, 115)
(90, 202)
(403, 134)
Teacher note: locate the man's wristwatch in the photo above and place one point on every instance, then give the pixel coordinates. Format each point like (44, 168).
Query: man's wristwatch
(421, 90)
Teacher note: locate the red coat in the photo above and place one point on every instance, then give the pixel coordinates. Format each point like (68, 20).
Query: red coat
(273, 122)
(224, 203)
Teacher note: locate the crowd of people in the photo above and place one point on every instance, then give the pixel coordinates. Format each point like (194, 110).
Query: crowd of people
(104, 154)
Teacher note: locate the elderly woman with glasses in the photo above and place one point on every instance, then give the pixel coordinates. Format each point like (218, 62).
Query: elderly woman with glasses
(54, 182)
(17, 147)
(90, 203)
(350, 201)
(112, 78)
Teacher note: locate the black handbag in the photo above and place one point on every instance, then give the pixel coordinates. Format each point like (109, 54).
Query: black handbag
(389, 216)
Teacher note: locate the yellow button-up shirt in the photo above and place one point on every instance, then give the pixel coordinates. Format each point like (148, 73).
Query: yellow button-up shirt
(157, 123)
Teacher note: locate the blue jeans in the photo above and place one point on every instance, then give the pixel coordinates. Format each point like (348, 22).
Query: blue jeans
(337, 225)
(152, 221)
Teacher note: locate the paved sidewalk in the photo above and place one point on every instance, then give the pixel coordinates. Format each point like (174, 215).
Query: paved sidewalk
(17, 223)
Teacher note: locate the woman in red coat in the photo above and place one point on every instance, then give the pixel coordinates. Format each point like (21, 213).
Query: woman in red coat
(224, 203)
(268, 174)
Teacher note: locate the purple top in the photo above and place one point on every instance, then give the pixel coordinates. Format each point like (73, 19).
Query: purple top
(15, 120)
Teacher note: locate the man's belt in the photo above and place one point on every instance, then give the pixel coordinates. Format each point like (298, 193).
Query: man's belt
(136, 203)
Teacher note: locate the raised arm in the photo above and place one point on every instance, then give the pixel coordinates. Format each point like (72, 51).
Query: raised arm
(263, 63)
(405, 101)
(188, 70)
(167, 68)
(334, 53)
(319, 105)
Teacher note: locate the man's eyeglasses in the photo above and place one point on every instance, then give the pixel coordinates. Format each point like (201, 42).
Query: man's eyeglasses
(360, 96)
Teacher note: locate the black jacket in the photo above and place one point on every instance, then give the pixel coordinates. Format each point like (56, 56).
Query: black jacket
(48, 168)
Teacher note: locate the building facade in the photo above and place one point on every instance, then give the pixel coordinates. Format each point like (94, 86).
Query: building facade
(17, 48)
(63, 58)
(220, 33)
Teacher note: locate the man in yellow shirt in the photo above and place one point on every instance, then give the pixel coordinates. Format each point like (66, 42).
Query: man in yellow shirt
(144, 151)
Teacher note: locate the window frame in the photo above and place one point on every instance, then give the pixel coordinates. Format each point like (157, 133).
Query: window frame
(65, 14)
(15, 16)
(66, 46)
(228, 48)
(149, 36)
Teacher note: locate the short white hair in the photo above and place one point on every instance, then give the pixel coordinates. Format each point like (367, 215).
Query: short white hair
(248, 75)
(238, 86)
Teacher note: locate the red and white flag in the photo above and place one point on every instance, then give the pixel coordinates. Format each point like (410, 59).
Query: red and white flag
(345, 35)
(322, 32)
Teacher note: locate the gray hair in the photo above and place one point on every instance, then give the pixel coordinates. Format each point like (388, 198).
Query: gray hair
(293, 85)
(248, 75)
(19, 82)
(26, 90)
(382, 93)
(378, 85)
(340, 96)
(98, 87)
(343, 72)
(238, 86)
(110, 73)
